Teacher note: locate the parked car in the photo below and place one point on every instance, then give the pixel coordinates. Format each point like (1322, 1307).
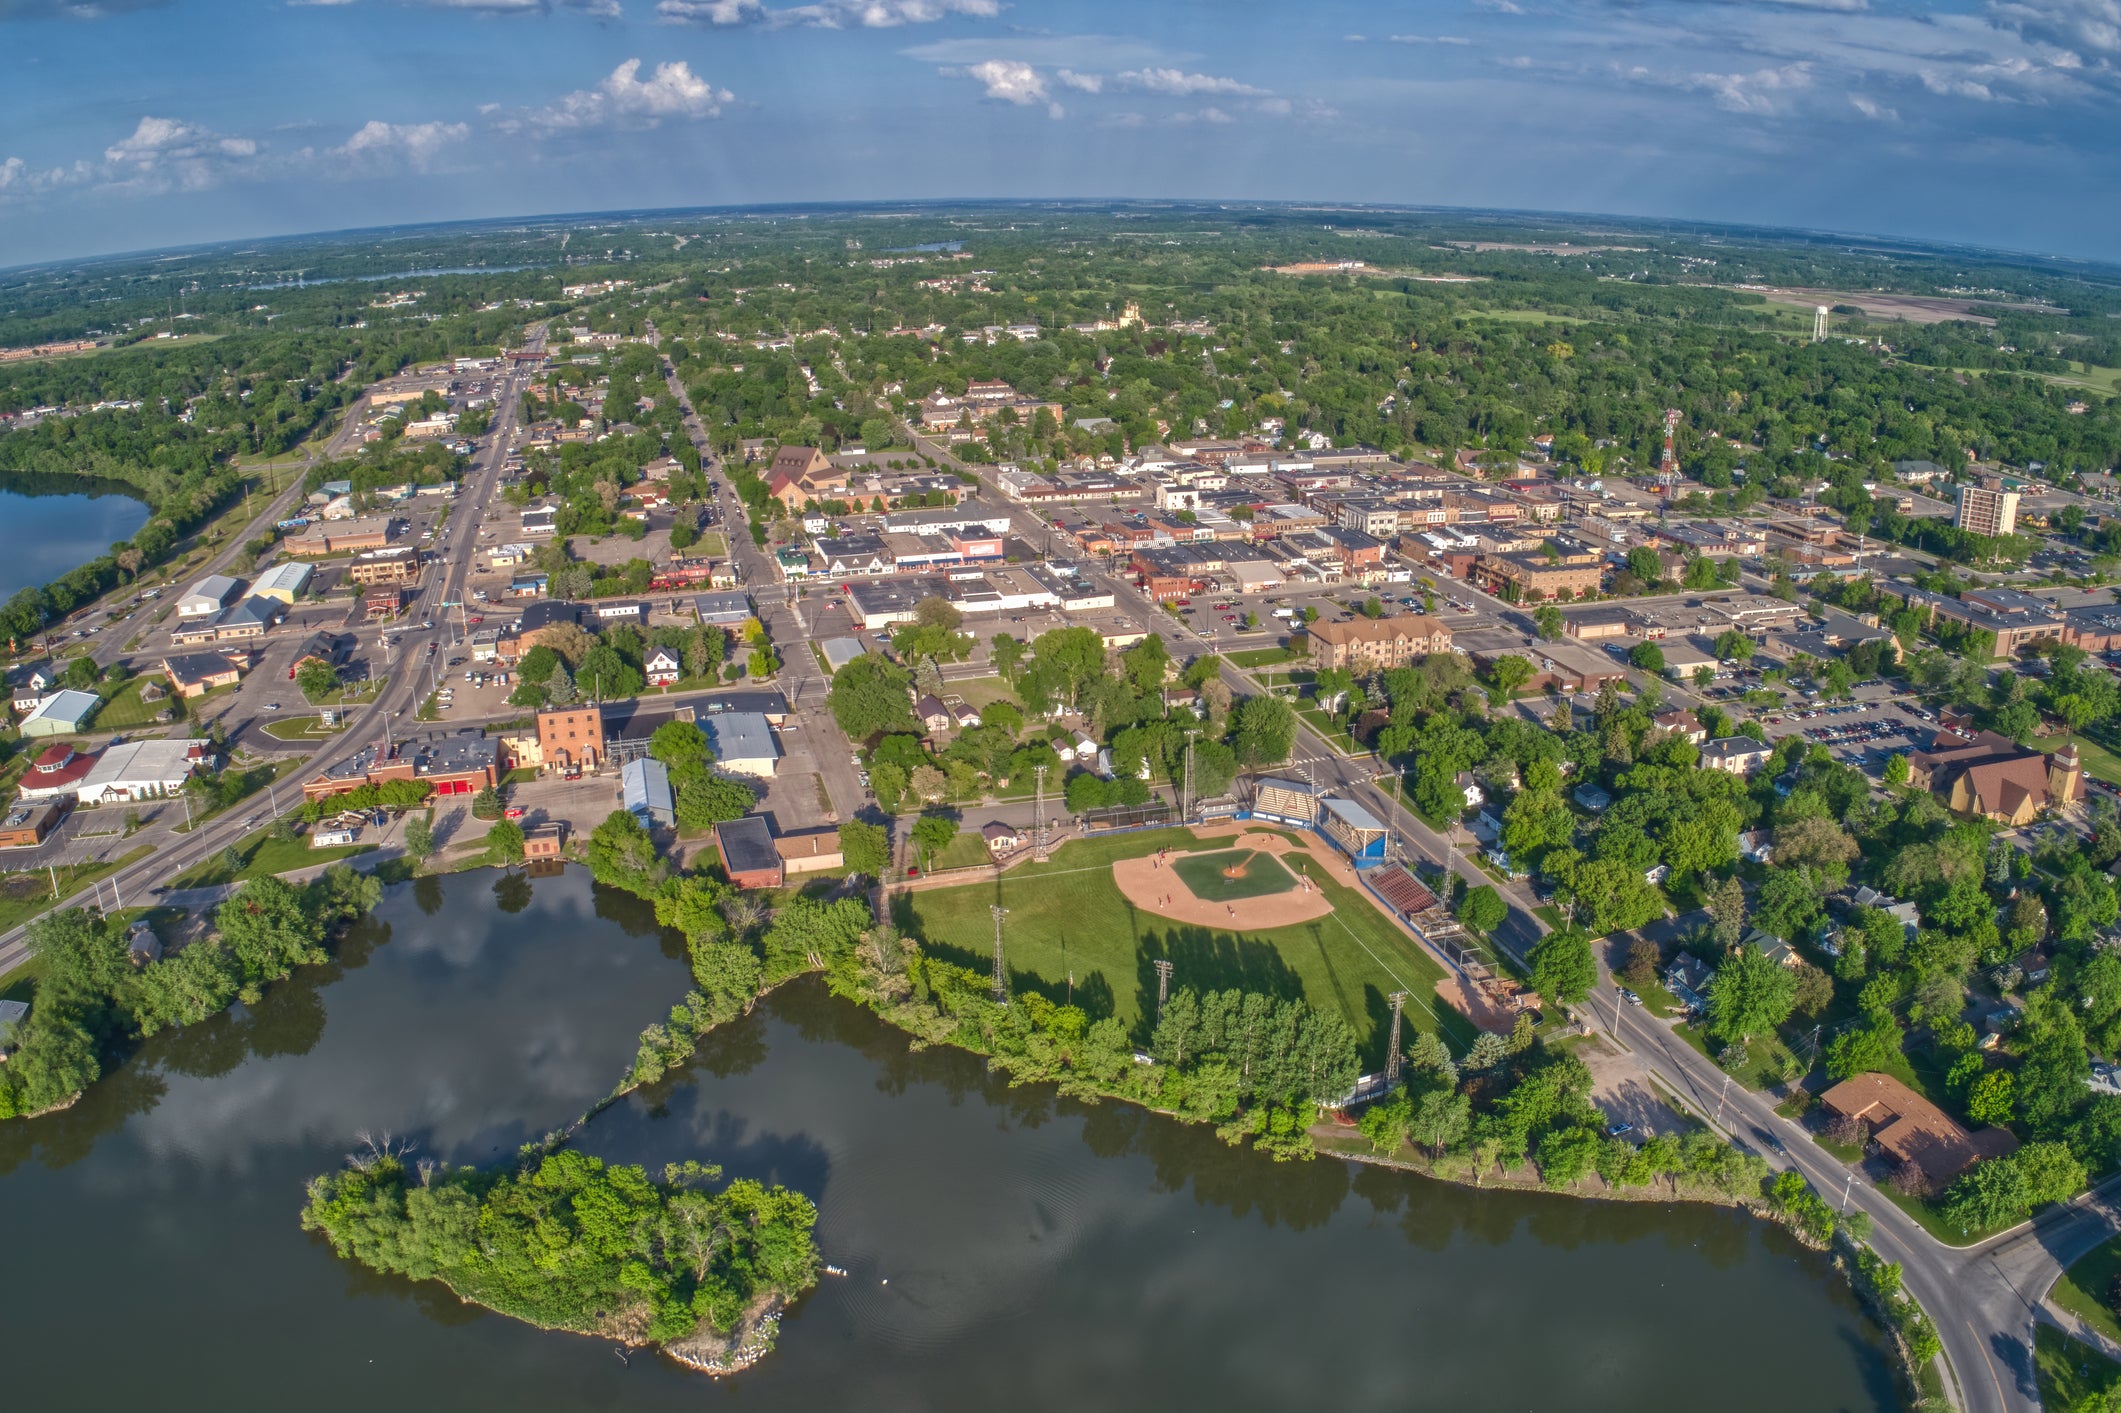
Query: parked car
(512, 812)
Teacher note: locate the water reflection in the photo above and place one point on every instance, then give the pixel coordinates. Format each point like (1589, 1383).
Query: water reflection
(1040, 1252)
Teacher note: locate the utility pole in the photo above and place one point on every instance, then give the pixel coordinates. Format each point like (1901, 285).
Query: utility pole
(1163, 984)
(1001, 974)
(1721, 1097)
(1399, 1002)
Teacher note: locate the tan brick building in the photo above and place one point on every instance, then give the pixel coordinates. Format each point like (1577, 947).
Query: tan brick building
(1530, 578)
(1367, 644)
(571, 736)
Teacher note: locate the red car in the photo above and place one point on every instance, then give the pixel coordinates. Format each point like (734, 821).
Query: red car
(512, 812)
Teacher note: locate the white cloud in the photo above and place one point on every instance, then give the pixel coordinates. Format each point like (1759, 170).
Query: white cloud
(1426, 39)
(1087, 83)
(1873, 109)
(1762, 91)
(2084, 24)
(1179, 84)
(625, 99)
(600, 9)
(415, 145)
(165, 153)
(1499, 7)
(1013, 81)
(826, 14)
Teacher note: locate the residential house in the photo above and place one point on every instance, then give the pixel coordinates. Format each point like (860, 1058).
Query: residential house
(663, 668)
(1735, 755)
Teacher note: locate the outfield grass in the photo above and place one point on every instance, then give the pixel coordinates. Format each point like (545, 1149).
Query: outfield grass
(1067, 919)
(2084, 1288)
(1203, 873)
(2069, 1371)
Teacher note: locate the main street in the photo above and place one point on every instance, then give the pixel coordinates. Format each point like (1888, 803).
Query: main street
(395, 703)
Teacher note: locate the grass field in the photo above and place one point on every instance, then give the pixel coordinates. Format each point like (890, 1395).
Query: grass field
(2084, 1289)
(1067, 919)
(263, 854)
(299, 728)
(2099, 762)
(24, 895)
(1262, 874)
(125, 709)
(2069, 1371)
(966, 850)
(1263, 657)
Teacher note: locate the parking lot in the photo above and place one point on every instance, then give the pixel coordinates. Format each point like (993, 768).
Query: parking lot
(1861, 733)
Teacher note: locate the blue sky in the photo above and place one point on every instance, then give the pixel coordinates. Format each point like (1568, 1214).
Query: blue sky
(131, 124)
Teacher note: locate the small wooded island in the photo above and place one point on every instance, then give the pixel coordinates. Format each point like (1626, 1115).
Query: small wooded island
(567, 1242)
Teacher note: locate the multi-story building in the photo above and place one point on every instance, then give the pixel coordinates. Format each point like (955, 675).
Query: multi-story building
(571, 737)
(1986, 511)
(1529, 578)
(1369, 644)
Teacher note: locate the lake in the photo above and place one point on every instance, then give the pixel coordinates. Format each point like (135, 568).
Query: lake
(44, 536)
(1004, 1247)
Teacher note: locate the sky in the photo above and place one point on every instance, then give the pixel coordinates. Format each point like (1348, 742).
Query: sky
(140, 124)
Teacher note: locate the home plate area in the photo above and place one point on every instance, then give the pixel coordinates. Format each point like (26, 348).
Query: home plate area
(1246, 886)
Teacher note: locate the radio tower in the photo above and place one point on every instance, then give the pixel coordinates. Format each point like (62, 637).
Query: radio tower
(1038, 818)
(1001, 974)
(1399, 1001)
(1185, 789)
(1668, 468)
(1163, 985)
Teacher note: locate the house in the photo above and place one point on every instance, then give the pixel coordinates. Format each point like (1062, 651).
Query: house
(748, 853)
(1735, 755)
(931, 713)
(141, 944)
(30, 682)
(1085, 747)
(663, 668)
(1773, 948)
(1593, 797)
(1002, 838)
(1753, 846)
(1681, 723)
(1688, 978)
(964, 715)
(545, 841)
(809, 851)
(1469, 786)
(644, 790)
(1911, 1130)
(743, 743)
(62, 714)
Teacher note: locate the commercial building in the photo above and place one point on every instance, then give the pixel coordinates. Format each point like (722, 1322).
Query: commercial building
(545, 841)
(644, 790)
(195, 674)
(809, 850)
(397, 565)
(1986, 511)
(727, 609)
(1530, 578)
(453, 765)
(743, 743)
(141, 770)
(1912, 1131)
(1371, 644)
(341, 537)
(56, 773)
(748, 854)
(284, 581)
(571, 737)
(24, 827)
(207, 597)
(61, 714)
(2017, 619)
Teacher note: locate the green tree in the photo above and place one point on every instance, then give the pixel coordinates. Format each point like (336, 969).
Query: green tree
(1647, 656)
(865, 848)
(871, 696)
(1750, 996)
(933, 833)
(1482, 910)
(504, 842)
(419, 837)
(1548, 619)
(1563, 969)
(316, 679)
(1263, 731)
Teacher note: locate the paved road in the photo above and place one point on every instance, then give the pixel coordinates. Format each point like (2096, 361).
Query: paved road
(788, 619)
(396, 702)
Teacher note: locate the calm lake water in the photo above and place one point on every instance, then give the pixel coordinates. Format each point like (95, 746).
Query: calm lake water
(44, 536)
(1039, 1254)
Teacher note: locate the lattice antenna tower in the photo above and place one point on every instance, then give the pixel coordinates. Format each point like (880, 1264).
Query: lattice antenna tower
(1163, 985)
(1001, 973)
(1399, 1003)
(1038, 817)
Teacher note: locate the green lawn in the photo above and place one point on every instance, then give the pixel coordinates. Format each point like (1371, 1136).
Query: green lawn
(1259, 874)
(1066, 918)
(125, 709)
(966, 850)
(1263, 657)
(24, 895)
(263, 854)
(2069, 1371)
(712, 542)
(299, 728)
(2085, 1288)
(983, 692)
(1329, 730)
(2099, 762)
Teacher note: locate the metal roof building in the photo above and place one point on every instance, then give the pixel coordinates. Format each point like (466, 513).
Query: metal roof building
(284, 581)
(207, 597)
(743, 742)
(645, 787)
(61, 714)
